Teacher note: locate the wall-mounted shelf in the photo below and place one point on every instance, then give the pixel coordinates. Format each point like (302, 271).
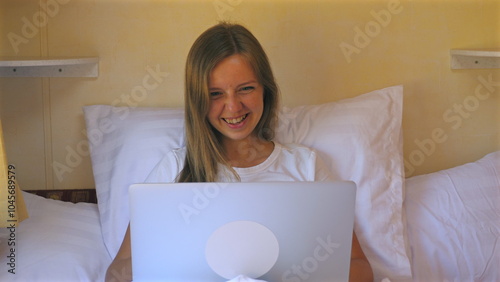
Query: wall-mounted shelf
(475, 59)
(49, 67)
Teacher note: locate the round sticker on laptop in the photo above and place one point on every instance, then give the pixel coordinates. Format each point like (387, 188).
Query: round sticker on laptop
(242, 248)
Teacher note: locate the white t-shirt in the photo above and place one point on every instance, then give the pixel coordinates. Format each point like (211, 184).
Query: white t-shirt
(290, 162)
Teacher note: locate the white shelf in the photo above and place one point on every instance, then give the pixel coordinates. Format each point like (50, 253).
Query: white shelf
(49, 67)
(475, 59)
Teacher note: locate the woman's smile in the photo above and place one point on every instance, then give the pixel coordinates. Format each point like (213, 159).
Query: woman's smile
(235, 121)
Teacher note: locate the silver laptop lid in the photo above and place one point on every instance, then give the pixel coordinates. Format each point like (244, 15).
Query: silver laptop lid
(277, 231)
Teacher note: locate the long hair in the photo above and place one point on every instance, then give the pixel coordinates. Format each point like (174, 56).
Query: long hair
(203, 146)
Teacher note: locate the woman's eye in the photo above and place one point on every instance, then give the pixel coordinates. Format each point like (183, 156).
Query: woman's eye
(247, 89)
(215, 94)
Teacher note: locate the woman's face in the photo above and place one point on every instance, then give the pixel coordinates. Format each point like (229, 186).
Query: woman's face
(236, 98)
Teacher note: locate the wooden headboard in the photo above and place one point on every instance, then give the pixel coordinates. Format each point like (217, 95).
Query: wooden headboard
(71, 195)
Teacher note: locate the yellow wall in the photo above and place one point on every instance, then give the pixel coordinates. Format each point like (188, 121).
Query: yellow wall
(316, 49)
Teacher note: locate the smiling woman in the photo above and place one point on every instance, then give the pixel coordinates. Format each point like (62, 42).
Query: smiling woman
(231, 101)
(225, 67)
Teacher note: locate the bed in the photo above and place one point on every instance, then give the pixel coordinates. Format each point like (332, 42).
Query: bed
(442, 226)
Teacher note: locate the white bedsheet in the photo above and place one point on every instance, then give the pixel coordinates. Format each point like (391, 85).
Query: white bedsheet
(59, 242)
(453, 228)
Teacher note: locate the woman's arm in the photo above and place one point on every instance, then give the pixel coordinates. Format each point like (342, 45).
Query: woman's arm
(120, 268)
(360, 267)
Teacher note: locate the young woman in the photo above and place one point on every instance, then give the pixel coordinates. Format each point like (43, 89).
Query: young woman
(231, 101)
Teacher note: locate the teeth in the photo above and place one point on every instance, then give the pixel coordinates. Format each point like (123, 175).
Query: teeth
(235, 120)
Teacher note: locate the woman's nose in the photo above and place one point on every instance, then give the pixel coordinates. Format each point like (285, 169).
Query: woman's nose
(233, 102)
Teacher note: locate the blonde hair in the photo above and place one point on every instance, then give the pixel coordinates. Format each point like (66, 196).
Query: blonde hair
(203, 146)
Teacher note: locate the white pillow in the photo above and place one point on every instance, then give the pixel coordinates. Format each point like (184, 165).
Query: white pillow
(453, 220)
(359, 138)
(125, 145)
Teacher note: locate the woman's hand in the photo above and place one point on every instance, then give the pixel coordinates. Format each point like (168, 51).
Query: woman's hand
(120, 269)
(360, 267)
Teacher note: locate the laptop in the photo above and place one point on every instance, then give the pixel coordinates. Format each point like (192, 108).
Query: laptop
(275, 231)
